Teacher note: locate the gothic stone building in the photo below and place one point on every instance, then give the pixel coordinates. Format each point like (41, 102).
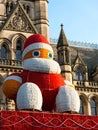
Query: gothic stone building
(20, 19)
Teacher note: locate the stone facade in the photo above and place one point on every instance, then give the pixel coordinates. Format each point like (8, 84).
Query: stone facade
(18, 20)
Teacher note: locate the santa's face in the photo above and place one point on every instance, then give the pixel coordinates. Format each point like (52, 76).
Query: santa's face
(39, 53)
(40, 60)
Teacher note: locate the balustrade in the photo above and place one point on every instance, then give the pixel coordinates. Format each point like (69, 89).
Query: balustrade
(92, 86)
(6, 62)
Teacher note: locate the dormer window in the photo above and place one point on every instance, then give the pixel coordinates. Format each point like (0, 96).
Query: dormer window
(79, 74)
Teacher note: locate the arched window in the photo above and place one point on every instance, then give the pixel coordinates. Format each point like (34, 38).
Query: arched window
(3, 51)
(18, 50)
(7, 7)
(81, 107)
(28, 9)
(79, 74)
(11, 6)
(93, 107)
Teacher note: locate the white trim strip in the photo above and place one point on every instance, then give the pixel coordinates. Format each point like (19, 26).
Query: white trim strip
(17, 78)
(36, 46)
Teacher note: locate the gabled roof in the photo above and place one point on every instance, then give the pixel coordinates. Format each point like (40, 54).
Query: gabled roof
(62, 41)
(78, 59)
(18, 20)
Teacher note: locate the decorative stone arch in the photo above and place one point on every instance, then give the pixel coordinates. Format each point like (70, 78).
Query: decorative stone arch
(5, 40)
(81, 66)
(7, 43)
(17, 37)
(84, 99)
(94, 96)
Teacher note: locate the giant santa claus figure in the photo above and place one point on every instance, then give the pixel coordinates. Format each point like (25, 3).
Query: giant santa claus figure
(40, 86)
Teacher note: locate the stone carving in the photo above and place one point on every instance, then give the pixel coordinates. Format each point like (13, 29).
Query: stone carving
(19, 22)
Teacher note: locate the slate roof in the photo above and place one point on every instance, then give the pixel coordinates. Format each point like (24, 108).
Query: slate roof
(88, 55)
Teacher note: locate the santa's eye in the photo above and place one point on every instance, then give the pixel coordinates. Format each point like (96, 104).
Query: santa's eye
(50, 55)
(36, 53)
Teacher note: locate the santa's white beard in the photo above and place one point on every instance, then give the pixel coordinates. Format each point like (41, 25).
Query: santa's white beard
(41, 65)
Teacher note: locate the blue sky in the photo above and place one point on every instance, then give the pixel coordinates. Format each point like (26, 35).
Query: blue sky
(79, 17)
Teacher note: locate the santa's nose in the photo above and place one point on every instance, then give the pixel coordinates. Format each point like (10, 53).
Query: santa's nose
(39, 53)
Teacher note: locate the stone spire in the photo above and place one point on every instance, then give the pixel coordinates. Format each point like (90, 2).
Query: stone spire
(64, 55)
(62, 41)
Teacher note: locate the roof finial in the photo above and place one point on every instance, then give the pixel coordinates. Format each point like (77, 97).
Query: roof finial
(62, 26)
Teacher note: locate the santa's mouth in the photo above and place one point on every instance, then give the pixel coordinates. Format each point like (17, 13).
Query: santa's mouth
(41, 65)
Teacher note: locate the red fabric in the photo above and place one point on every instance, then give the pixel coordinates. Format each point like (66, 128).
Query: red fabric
(34, 39)
(49, 100)
(43, 80)
(48, 84)
(23, 120)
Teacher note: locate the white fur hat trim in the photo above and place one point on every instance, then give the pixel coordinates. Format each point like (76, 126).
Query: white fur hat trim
(36, 46)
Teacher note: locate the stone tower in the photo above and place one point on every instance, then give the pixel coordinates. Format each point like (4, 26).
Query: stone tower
(37, 10)
(64, 56)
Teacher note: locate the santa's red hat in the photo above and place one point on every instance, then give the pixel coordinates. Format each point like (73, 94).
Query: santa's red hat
(36, 41)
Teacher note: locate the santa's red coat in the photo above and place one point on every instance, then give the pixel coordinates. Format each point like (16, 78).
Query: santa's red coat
(48, 84)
